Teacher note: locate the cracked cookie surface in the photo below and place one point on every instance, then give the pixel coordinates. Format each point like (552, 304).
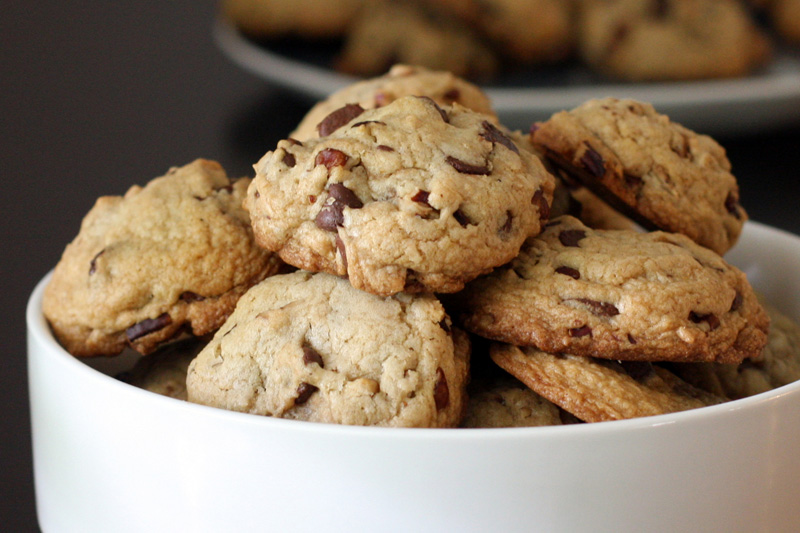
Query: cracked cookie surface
(618, 294)
(174, 254)
(657, 172)
(311, 347)
(408, 197)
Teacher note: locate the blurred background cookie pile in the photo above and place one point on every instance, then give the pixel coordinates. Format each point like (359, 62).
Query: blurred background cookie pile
(633, 40)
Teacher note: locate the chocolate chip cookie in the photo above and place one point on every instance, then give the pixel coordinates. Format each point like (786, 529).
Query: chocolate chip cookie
(311, 347)
(443, 87)
(657, 172)
(507, 403)
(164, 371)
(313, 19)
(410, 197)
(618, 295)
(173, 255)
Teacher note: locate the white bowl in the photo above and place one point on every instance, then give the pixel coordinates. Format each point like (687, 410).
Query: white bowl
(111, 457)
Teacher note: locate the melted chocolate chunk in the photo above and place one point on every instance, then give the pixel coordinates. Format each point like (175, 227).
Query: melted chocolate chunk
(571, 237)
(582, 331)
(338, 118)
(631, 339)
(330, 157)
(344, 195)
(710, 319)
(304, 392)
(568, 271)
(461, 218)
(421, 197)
(599, 308)
(311, 356)
(289, 160)
(385, 148)
(441, 392)
(330, 217)
(495, 136)
(452, 95)
(593, 162)
(148, 326)
(467, 168)
(540, 201)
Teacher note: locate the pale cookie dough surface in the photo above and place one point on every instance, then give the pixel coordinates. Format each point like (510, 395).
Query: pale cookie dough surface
(653, 170)
(408, 197)
(174, 254)
(402, 80)
(506, 403)
(670, 39)
(303, 18)
(618, 295)
(778, 365)
(311, 347)
(164, 371)
(598, 390)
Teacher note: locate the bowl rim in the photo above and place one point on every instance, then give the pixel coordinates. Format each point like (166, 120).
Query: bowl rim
(39, 330)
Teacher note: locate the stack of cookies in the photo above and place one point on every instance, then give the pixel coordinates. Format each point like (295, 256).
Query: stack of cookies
(402, 259)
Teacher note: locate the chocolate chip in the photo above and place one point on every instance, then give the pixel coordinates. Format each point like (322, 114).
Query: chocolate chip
(452, 95)
(344, 195)
(330, 157)
(638, 370)
(421, 197)
(494, 135)
(631, 339)
(289, 160)
(593, 161)
(732, 204)
(148, 326)
(189, 297)
(342, 250)
(598, 308)
(467, 168)
(365, 122)
(330, 217)
(338, 118)
(582, 331)
(434, 104)
(567, 271)
(310, 356)
(540, 201)
(93, 262)
(312, 198)
(737, 302)
(304, 392)
(385, 148)
(710, 319)
(461, 218)
(571, 237)
(441, 392)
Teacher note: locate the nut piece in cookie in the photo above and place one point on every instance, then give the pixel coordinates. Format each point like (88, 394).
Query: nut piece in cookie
(311, 347)
(597, 390)
(618, 294)
(654, 171)
(174, 255)
(411, 197)
(443, 87)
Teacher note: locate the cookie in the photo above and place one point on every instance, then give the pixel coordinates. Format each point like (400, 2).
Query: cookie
(270, 19)
(164, 371)
(311, 347)
(618, 295)
(506, 403)
(408, 197)
(597, 214)
(599, 390)
(389, 32)
(174, 255)
(642, 40)
(785, 18)
(778, 365)
(656, 172)
(442, 87)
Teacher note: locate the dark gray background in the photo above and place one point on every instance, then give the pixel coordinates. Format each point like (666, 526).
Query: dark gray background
(99, 95)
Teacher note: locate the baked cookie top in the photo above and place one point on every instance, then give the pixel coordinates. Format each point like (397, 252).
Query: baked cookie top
(408, 197)
(670, 39)
(655, 171)
(618, 295)
(443, 87)
(596, 390)
(311, 347)
(174, 254)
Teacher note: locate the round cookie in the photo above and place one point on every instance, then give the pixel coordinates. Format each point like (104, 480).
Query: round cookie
(389, 32)
(304, 18)
(442, 87)
(408, 197)
(164, 371)
(657, 172)
(506, 403)
(785, 17)
(670, 39)
(170, 256)
(618, 295)
(311, 347)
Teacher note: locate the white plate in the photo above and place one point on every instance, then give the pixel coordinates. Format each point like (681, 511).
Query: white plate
(761, 102)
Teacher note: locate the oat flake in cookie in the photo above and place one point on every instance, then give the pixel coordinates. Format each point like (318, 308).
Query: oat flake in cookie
(311, 347)
(618, 294)
(411, 197)
(174, 255)
(655, 171)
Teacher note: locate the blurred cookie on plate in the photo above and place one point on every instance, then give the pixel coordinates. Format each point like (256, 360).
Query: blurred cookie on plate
(312, 19)
(164, 371)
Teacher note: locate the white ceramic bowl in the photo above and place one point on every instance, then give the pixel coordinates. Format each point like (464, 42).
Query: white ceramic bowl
(111, 457)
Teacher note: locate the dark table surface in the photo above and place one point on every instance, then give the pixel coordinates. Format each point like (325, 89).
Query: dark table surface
(97, 96)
